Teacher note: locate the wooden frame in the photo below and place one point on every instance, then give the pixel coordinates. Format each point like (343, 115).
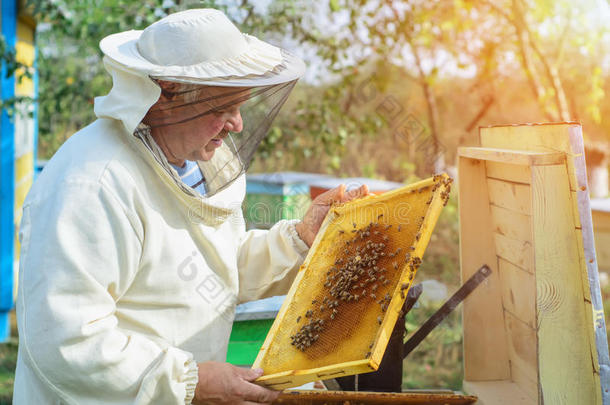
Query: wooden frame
(535, 332)
(287, 367)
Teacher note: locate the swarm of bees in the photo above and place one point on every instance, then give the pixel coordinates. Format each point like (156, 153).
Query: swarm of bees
(356, 276)
(363, 272)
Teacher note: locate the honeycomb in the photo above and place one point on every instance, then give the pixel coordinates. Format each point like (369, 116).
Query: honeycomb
(342, 307)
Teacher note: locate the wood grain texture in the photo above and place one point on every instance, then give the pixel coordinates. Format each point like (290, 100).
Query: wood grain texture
(503, 392)
(514, 197)
(528, 158)
(512, 224)
(518, 252)
(522, 351)
(518, 292)
(509, 172)
(564, 348)
(536, 138)
(485, 347)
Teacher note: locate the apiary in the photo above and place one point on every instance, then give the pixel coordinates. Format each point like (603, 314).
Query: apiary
(342, 307)
(271, 197)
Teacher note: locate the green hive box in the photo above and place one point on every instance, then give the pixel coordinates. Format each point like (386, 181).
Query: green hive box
(252, 323)
(271, 197)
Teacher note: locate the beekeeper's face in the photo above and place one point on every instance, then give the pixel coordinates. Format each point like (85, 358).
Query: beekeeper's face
(191, 124)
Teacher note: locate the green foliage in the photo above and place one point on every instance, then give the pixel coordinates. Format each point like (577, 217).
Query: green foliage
(437, 362)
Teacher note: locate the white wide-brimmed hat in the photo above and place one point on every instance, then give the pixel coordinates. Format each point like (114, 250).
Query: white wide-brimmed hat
(202, 46)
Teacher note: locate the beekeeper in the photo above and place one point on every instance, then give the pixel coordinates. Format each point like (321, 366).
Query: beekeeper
(134, 252)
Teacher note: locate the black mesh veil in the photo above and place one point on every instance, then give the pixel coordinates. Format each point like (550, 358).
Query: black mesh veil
(218, 127)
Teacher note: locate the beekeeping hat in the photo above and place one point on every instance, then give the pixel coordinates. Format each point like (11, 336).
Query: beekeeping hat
(198, 49)
(202, 46)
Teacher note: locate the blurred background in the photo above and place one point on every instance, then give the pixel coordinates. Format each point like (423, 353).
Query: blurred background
(392, 89)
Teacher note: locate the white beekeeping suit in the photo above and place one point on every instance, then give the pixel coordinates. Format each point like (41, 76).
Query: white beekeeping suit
(128, 278)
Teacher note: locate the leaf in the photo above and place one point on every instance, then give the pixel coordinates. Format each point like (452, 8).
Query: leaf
(334, 5)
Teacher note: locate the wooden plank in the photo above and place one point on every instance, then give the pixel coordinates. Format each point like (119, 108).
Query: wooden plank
(511, 224)
(497, 393)
(583, 265)
(517, 252)
(575, 212)
(564, 347)
(515, 197)
(521, 157)
(523, 355)
(314, 397)
(598, 337)
(527, 385)
(485, 348)
(518, 292)
(509, 172)
(532, 137)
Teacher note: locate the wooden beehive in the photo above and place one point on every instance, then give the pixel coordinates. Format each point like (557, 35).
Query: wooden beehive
(534, 332)
(373, 246)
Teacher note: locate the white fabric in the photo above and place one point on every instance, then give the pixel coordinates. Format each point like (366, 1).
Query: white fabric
(193, 43)
(125, 280)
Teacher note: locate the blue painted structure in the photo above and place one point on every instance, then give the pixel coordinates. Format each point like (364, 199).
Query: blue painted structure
(7, 175)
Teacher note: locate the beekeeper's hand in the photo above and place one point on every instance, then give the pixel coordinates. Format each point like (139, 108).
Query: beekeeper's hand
(309, 227)
(223, 383)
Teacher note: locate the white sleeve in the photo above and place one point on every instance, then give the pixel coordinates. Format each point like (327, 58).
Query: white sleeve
(268, 260)
(80, 251)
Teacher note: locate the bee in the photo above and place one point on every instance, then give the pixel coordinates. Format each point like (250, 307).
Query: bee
(354, 224)
(314, 302)
(388, 227)
(299, 319)
(322, 308)
(341, 231)
(374, 287)
(402, 294)
(398, 251)
(371, 345)
(379, 217)
(418, 236)
(386, 282)
(395, 265)
(368, 355)
(379, 320)
(399, 228)
(410, 276)
(308, 314)
(373, 296)
(429, 200)
(332, 316)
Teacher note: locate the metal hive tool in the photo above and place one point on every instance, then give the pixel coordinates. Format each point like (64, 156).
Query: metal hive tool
(346, 298)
